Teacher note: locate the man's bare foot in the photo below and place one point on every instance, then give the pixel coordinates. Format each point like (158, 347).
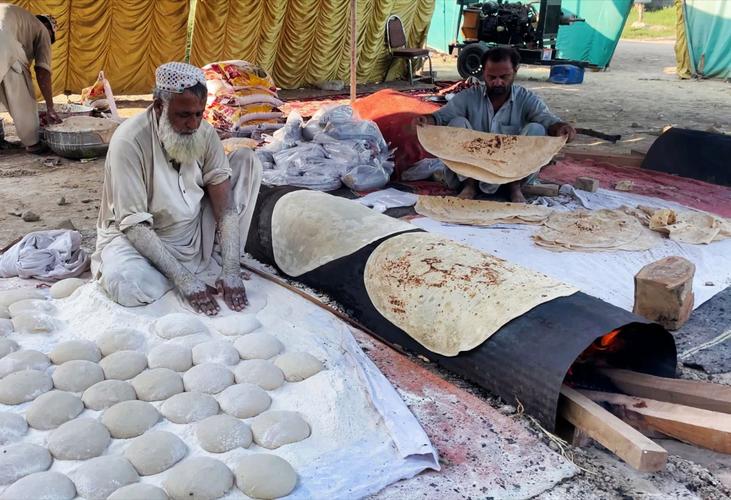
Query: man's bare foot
(516, 194)
(469, 190)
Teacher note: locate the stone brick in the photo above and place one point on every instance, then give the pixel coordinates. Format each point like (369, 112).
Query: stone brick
(586, 184)
(664, 291)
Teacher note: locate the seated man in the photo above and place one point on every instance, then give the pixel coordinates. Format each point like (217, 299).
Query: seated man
(500, 107)
(170, 196)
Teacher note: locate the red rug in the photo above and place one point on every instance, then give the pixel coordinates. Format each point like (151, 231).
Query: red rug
(689, 192)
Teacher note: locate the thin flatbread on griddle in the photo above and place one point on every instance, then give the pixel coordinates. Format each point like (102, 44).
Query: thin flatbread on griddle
(450, 297)
(331, 228)
(508, 156)
(479, 212)
(597, 231)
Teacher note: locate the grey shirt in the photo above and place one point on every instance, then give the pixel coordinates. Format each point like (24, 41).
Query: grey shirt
(522, 108)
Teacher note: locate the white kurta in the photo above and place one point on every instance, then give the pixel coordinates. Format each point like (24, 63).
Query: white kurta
(142, 186)
(23, 38)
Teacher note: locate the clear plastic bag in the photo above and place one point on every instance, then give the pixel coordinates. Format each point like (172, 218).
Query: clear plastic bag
(368, 177)
(423, 169)
(291, 134)
(318, 181)
(317, 166)
(304, 151)
(357, 130)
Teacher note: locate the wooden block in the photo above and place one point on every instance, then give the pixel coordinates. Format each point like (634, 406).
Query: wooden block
(664, 291)
(540, 189)
(633, 161)
(627, 443)
(586, 184)
(624, 185)
(714, 397)
(708, 429)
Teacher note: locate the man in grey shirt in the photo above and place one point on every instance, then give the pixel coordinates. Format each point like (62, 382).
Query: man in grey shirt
(498, 107)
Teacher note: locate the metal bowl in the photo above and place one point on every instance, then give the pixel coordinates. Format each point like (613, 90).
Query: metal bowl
(66, 110)
(76, 145)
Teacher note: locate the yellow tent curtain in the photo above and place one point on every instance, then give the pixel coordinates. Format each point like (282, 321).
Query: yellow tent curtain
(127, 39)
(302, 42)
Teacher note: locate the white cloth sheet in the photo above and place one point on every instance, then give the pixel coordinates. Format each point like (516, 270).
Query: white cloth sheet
(47, 255)
(606, 275)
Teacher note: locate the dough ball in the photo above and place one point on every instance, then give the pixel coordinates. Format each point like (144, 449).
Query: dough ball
(23, 386)
(7, 346)
(130, 419)
(199, 478)
(66, 287)
(32, 323)
(244, 400)
(31, 306)
(77, 375)
(157, 384)
(120, 339)
(6, 326)
(107, 393)
(25, 359)
(210, 378)
(189, 407)
(139, 491)
(265, 476)
(78, 440)
(8, 297)
(99, 477)
(260, 372)
(236, 324)
(12, 427)
(123, 365)
(75, 349)
(222, 433)
(215, 351)
(276, 428)
(172, 356)
(47, 485)
(52, 409)
(154, 452)
(178, 325)
(21, 459)
(298, 366)
(258, 345)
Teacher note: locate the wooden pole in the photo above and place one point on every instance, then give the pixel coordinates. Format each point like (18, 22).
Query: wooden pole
(353, 50)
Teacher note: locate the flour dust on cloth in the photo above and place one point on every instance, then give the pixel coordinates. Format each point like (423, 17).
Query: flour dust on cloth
(491, 158)
(363, 437)
(142, 186)
(334, 228)
(46, 255)
(451, 297)
(480, 212)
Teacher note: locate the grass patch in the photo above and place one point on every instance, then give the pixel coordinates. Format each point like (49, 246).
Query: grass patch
(659, 24)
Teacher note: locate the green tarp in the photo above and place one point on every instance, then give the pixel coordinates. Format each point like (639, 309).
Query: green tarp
(708, 34)
(593, 41)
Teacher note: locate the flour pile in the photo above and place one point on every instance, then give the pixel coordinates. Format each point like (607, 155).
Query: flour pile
(155, 400)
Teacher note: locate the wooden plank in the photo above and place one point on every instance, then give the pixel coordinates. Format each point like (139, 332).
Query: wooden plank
(633, 161)
(627, 443)
(540, 189)
(714, 397)
(708, 429)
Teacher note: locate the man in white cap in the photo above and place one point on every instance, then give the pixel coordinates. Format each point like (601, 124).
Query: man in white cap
(175, 211)
(25, 38)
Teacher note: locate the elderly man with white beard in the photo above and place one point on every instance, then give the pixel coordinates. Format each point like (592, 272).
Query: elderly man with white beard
(175, 211)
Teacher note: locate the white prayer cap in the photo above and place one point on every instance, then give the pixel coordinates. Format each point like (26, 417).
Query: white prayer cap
(177, 76)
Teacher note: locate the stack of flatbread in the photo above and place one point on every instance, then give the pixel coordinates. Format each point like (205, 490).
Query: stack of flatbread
(693, 227)
(594, 231)
(455, 210)
(491, 158)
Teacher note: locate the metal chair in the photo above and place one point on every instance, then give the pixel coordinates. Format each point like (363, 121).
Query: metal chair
(396, 42)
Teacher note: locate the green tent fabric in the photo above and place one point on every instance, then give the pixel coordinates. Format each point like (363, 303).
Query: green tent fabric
(594, 40)
(443, 25)
(708, 34)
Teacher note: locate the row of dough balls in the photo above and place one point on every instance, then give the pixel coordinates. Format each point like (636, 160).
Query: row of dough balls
(29, 309)
(115, 477)
(59, 290)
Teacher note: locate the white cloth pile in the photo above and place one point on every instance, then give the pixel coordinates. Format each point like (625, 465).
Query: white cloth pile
(242, 98)
(45, 255)
(333, 148)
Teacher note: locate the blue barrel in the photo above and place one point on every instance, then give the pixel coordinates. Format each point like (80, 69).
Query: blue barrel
(566, 74)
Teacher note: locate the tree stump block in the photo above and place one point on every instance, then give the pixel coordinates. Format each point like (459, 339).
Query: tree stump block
(664, 291)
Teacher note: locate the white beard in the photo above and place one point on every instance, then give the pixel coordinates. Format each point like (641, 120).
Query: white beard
(183, 148)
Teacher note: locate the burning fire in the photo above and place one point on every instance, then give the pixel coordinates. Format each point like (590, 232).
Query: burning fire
(606, 342)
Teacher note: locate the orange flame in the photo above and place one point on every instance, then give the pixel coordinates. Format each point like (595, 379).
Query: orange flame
(607, 340)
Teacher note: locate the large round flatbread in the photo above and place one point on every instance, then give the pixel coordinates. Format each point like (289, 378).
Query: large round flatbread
(479, 212)
(482, 175)
(310, 229)
(451, 297)
(509, 156)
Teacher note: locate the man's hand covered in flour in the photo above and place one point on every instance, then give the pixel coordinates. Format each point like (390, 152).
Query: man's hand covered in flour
(200, 296)
(231, 287)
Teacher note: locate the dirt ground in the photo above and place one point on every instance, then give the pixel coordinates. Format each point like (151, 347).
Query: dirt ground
(636, 97)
